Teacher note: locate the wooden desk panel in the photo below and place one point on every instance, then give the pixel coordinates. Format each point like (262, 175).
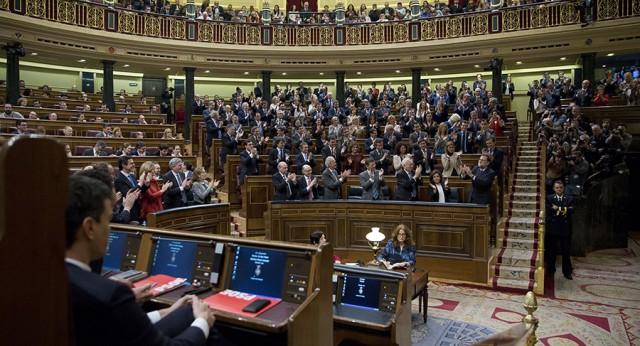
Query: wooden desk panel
(210, 218)
(451, 239)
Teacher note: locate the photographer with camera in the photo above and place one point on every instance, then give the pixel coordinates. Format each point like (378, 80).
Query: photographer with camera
(578, 170)
(556, 168)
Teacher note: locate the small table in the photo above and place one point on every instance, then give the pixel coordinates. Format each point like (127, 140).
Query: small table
(418, 288)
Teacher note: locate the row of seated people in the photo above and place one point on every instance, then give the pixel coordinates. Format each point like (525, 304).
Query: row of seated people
(151, 190)
(125, 149)
(83, 117)
(86, 106)
(45, 91)
(108, 131)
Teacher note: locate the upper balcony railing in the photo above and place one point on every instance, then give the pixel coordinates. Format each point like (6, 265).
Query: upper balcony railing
(508, 19)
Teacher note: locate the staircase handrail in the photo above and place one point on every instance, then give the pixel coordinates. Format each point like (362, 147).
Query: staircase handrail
(541, 216)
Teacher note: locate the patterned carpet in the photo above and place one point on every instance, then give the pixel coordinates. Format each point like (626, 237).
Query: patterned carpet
(601, 306)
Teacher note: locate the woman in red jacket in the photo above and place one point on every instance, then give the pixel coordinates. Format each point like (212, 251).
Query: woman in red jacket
(601, 99)
(152, 198)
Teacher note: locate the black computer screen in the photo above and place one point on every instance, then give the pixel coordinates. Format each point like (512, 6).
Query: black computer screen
(115, 250)
(174, 258)
(361, 292)
(258, 271)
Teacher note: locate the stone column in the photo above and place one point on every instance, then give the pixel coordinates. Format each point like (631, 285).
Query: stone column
(588, 69)
(189, 92)
(14, 52)
(266, 86)
(415, 86)
(340, 87)
(107, 84)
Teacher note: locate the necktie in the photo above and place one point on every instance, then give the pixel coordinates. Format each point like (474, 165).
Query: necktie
(414, 192)
(306, 158)
(310, 188)
(133, 182)
(183, 193)
(333, 151)
(288, 187)
(281, 156)
(375, 193)
(464, 141)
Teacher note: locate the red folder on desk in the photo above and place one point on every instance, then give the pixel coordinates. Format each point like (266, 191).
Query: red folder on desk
(234, 302)
(161, 283)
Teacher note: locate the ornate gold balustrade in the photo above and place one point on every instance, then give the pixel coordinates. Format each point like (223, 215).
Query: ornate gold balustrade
(99, 17)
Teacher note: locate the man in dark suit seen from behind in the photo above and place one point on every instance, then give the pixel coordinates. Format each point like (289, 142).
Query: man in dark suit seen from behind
(126, 181)
(105, 311)
(176, 196)
(482, 179)
(559, 209)
(97, 150)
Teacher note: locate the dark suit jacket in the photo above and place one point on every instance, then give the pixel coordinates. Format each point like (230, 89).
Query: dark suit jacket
(89, 152)
(326, 152)
(303, 193)
(123, 185)
(469, 140)
(172, 198)
(496, 161)
(275, 159)
(407, 186)
(105, 313)
(481, 192)
(229, 147)
(249, 165)
(558, 223)
(426, 162)
(282, 193)
(385, 164)
(300, 161)
(369, 187)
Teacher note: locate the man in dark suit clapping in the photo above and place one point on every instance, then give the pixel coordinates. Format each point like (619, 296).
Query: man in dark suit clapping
(482, 177)
(408, 181)
(126, 181)
(307, 184)
(284, 183)
(176, 196)
(371, 181)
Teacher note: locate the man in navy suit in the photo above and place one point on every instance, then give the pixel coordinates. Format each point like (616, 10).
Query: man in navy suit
(465, 139)
(278, 154)
(126, 181)
(559, 208)
(304, 158)
(105, 311)
(250, 160)
(97, 150)
(307, 184)
(482, 177)
(495, 154)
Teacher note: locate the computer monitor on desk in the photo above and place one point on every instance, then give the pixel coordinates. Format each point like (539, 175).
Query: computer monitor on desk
(122, 251)
(274, 273)
(199, 262)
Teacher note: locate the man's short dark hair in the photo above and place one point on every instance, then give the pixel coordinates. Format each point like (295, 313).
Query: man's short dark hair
(86, 199)
(279, 140)
(140, 145)
(368, 161)
(188, 165)
(20, 121)
(123, 160)
(105, 125)
(101, 144)
(164, 146)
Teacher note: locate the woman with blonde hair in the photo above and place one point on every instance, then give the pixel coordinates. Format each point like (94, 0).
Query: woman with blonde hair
(201, 188)
(117, 133)
(442, 137)
(451, 161)
(151, 199)
(168, 134)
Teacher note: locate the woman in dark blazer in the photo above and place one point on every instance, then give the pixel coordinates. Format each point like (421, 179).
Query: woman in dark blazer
(438, 190)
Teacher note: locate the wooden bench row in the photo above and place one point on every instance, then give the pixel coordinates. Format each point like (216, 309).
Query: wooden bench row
(73, 115)
(79, 162)
(54, 127)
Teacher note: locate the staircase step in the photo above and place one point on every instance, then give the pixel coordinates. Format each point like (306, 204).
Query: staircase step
(517, 257)
(524, 196)
(520, 244)
(529, 213)
(520, 233)
(519, 188)
(521, 222)
(515, 273)
(525, 285)
(531, 205)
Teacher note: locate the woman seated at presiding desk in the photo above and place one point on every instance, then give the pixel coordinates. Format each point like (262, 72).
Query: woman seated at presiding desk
(400, 251)
(318, 238)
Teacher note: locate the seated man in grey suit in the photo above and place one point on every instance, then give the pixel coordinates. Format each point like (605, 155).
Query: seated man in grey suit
(332, 180)
(482, 177)
(371, 181)
(408, 181)
(105, 311)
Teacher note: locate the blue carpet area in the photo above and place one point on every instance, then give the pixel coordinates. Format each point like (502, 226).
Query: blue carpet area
(444, 332)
